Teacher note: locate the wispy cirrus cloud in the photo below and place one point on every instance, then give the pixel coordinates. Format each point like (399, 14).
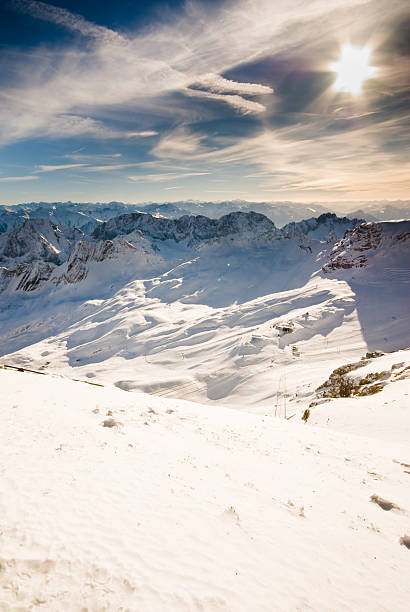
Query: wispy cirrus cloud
(44, 168)
(240, 103)
(215, 83)
(12, 179)
(216, 87)
(167, 176)
(109, 168)
(139, 69)
(179, 143)
(146, 134)
(62, 17)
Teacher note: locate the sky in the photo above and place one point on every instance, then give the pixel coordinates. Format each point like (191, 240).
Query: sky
(136, 101)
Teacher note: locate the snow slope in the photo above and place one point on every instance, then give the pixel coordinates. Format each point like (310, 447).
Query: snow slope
(185, 507)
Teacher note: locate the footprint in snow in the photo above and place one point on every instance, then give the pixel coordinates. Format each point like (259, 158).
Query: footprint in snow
(110, 423)
(405, 541)
(385, 504)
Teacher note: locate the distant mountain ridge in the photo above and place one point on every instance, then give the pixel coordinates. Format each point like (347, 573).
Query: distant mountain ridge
(87, 216)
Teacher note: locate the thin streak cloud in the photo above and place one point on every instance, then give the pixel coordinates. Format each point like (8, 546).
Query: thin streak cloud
(43, 168)
(168, 176)
(12, 179)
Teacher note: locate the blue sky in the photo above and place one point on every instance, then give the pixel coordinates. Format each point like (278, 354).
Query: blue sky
(161, 101)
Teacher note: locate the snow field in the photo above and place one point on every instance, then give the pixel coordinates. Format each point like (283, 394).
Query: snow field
(185, 507)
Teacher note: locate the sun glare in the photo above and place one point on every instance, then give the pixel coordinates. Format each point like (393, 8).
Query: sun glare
(352, 69)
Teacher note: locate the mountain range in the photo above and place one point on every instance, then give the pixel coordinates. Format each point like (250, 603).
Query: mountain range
(87, 216)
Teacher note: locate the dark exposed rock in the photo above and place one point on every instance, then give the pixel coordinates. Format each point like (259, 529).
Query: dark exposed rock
(28, 277)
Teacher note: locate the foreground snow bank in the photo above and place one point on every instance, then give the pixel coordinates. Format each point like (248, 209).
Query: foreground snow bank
(185, 507)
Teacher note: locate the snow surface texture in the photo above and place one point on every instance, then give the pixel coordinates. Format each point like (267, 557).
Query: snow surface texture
(115, 499)
(182, 507)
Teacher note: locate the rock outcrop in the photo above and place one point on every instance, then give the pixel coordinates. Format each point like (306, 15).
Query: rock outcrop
(359, 245)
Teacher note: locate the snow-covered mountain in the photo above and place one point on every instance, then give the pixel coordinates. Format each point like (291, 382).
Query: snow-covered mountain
(38, 239)
(67, 214)
(191, 229)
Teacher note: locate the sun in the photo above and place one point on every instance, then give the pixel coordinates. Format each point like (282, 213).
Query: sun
(352, 69)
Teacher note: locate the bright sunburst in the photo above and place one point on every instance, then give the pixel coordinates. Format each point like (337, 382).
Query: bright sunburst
(353, 69)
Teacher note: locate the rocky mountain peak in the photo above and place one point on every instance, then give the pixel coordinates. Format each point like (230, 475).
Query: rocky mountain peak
(368, 240)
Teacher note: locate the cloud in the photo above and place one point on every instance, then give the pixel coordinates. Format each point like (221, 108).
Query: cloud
(88, 158)
(138, 71)
(218, 84)
(324, 164)
(167, 176)
(178, 144)
(60, 16)
(41, 123)
(146, 134)
(238, 102)
(43, 168)
(167, 82)
(216, 87)
(9, 179)
(108, 168)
